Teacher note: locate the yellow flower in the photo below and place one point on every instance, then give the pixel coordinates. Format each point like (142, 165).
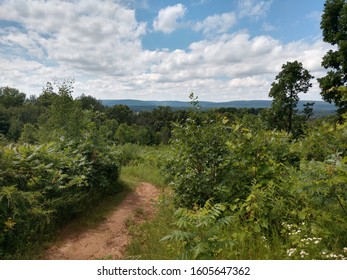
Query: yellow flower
(9, 224)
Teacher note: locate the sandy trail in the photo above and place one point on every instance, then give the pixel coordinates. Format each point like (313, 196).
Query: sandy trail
(110, 238)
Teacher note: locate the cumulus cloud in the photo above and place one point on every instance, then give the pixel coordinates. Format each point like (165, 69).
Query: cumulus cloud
(236, 66)
(254, 8)
(87, 35)
(167, 19)
(228, 67)
(219, 23)
(99, 44)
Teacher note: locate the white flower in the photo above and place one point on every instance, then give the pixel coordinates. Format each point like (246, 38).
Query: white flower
(291, 251)
(303, 253)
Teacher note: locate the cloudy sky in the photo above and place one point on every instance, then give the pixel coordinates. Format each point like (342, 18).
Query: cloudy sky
(222, 50)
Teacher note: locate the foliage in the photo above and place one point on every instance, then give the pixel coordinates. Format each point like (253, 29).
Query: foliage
(133, 134)
(142, 164)
(199, 230)
(286, 199)
(145, 238)
(90, 103)
(239, 190)
(63, 118)
(11, 97)
(199, 167)
(44, 186)
(334, 28)
(225, 161)
(121, 113)
(292, 80)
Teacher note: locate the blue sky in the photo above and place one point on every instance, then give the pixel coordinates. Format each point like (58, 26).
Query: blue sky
(159, 50)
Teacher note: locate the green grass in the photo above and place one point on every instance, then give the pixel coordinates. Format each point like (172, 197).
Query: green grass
(146, 244)
(142, 172)
(145, 166)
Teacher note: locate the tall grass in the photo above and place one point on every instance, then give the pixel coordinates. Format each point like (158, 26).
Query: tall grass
(146, 241)
(143, 165)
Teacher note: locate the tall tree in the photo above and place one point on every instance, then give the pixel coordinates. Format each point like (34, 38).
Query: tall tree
(11, 97)
(292, 80)
(89, 102)
(121, 113)
(4, 121)
(334, 28)
(63, 117)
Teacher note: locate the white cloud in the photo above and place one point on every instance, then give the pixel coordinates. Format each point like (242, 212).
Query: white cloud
(200, 2)
(89, 35)
(268, 27)
(99, 44)
(229, 67)
(254, 8)
(167, 19)
(219, 23)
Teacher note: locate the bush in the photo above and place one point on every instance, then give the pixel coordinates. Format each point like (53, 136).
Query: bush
(245, 192)
(42, 187)
(199, 167)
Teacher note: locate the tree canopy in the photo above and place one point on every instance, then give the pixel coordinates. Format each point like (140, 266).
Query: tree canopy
(292, 80)
(334, 28)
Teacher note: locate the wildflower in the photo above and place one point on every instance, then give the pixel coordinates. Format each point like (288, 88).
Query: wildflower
(291, 251)
(303, 253)
(332, 256)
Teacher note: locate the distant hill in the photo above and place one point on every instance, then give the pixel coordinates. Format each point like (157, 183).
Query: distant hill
(140, 105)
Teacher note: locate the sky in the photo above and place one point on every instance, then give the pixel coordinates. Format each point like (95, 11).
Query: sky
(222, 50)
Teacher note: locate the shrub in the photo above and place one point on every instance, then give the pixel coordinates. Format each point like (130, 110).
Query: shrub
(42, 187)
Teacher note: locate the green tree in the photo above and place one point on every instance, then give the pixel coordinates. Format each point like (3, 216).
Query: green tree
(47, 97)
(4, 121)
(334, 28)
(28, 134)
(292, 80)
(121, 113)
(11, 97)
(90, 103)
(64, 116)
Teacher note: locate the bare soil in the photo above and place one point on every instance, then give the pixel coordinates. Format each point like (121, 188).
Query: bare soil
(109, 239)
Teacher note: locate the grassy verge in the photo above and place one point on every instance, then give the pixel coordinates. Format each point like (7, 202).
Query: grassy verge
(146, 244)
(143, 165)
(132, 175)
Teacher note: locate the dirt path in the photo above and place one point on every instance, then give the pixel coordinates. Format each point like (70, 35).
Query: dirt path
(110, 238)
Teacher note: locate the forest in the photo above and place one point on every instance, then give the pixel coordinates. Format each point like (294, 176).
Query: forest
(236, 183)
